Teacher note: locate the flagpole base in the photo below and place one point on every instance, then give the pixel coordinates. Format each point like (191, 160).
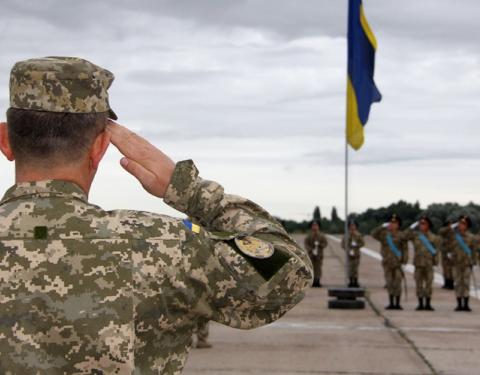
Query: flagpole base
(346, 298)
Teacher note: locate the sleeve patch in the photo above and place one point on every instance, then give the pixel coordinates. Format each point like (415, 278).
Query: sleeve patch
(193, 227)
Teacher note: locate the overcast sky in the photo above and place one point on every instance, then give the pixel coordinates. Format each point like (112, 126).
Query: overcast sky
(254, 92)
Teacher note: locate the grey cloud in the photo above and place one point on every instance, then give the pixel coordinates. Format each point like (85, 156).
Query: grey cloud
(158, 77)
(438, 20)
(387, 156)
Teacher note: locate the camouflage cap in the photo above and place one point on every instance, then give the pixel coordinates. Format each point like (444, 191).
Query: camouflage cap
(396, 219)
(466, 220)
(60, 84)
(426, 219)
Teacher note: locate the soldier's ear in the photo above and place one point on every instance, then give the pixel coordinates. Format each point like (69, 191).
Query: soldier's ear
(5, 143)
(99, 147)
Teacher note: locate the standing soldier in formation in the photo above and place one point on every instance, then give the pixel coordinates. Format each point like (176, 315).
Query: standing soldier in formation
(464, 258)
(426, 255)
(315, 242)
(394, 253)
(356, 242)
(84, 290)
(447, 247)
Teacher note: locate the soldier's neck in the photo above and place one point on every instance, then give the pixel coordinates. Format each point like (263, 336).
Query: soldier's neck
(71, 174)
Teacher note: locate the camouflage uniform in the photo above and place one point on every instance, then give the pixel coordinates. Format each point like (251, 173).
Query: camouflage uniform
(390, 262)
(202, 331)
(447, 246)
(463, 265)
(315, 252)
(88, 291)
(423, 261)
(477, 245)
(356, 242)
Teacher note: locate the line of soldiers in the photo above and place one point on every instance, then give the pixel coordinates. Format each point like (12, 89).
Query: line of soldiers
(455, 242)
(455, 245)
(316, 242)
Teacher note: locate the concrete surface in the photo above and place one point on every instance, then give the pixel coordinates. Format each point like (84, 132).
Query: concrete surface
(312, 339)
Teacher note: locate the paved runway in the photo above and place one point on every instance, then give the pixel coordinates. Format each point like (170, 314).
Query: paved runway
(311, 339)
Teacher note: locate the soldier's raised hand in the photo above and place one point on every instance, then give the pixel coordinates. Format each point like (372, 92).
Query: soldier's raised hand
(150, 166)
(414, 225)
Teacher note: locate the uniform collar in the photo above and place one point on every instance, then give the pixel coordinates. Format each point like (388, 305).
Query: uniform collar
(44, 188)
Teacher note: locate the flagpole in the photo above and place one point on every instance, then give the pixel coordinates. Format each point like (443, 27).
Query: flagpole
(346, 239)
(345, 235)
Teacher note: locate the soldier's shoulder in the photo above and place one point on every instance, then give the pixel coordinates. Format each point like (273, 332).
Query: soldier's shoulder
(121, 223)
(470, 236)
(144, 224)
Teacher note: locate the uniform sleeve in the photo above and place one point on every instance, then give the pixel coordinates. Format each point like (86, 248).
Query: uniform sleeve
(307, 244)
(235, 289)
(378, 233)
(443, 232)
(437, 241)
(477, 244)
(360, 240)
(323, 241)
(474, 252)
(404, 249)
(408, 235)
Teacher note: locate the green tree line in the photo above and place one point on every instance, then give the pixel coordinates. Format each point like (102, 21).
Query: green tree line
(439, 213)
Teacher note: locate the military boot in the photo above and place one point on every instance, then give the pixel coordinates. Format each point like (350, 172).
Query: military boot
(446, 284)
(391, 305)
(397, 303)
(465, 304)
(428, 305)
(459, 304)
(316, 283)
(452, 284)
(351, 284)
(420, 304)
(357, 285)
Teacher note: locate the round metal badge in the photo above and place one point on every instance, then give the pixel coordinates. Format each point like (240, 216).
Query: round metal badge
(254, 247)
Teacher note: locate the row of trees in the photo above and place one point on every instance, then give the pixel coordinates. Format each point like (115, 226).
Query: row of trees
(440, 213)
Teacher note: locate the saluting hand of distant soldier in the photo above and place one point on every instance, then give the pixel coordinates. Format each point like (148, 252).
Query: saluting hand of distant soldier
(150, 166)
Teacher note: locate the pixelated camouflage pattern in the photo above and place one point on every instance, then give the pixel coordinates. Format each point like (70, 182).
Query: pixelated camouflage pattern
(461, 262)
(421, 256)
(353, 252)
(389, 259)
(423, 261)
(121, 292)
(390, 262)
(460, 258)
(60, 84)
(202, 330)
(476, 241)
(447, 246)
(317, 260)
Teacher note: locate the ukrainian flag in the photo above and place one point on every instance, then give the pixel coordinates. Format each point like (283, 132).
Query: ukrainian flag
(361, 89)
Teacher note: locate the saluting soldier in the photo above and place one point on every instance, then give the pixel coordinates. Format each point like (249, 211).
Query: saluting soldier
(356, 242)
(464, 258)
(315, 242)
(426, 256)
(447, 247)
(84, 290)
(394, 253)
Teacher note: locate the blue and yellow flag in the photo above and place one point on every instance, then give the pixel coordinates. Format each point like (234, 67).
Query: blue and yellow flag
(361, 89)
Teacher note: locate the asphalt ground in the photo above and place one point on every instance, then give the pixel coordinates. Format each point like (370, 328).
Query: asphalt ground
(312, 339)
